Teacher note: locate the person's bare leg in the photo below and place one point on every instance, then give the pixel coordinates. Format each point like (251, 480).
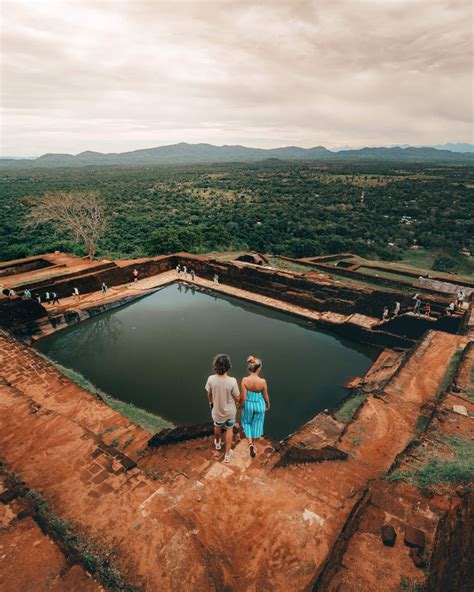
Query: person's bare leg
(252, 449)
(228, 440)
(218, 433)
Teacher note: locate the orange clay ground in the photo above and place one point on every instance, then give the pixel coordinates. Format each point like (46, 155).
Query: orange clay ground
(130, 516)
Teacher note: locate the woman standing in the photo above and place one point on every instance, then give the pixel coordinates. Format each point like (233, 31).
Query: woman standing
(255, 401)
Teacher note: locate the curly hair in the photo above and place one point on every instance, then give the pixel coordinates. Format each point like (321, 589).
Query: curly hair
(221, 364)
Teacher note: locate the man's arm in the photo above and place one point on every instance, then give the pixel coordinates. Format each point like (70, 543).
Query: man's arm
(209, 396)
(243, 393)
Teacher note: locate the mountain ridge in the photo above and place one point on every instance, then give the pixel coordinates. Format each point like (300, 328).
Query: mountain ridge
(204, 153)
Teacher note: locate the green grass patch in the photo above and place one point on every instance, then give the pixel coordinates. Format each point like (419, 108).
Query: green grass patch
(449, 375)
(409, 585)
(421, 423)
(456, 468)
(285, 265)
(148, 421)
(96, 561)
(349, 408)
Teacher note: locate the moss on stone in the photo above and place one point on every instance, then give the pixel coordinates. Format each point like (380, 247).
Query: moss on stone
(146, 420)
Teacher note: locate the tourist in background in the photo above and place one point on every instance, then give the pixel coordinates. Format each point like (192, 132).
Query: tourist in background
(75, 293)
(135, 275)
(396, 310)
(417, 306)
(255, 402)
(216, 279)
(460, 299)
(223, 394)
(428, 310)
(385, 314)
(55, 298)
(185, 272)
(47, 298)
(193, 275)
(27, 294)
(105, 288)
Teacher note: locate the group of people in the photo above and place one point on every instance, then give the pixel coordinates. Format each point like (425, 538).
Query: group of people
(226, 399)
(459, 303)
(47, 298)
(50, 297)
(386, 312)
(419, 308)
(182, 271)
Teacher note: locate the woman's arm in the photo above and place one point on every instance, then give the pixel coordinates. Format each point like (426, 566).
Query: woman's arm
(265, 395)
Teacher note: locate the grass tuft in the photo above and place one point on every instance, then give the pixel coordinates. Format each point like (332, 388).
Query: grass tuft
(148, 421)
(421, 423)
(456, 469)
(449, 374)
(96, 561)
(349, 408)
(409, 585)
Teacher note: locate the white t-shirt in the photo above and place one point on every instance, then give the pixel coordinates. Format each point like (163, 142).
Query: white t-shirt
(223, 390)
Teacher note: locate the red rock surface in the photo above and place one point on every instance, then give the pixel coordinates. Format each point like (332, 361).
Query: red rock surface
(181, 519)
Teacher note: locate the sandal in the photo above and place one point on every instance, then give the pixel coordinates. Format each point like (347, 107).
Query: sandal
(227, 457)
(217, 444)
(253, 451)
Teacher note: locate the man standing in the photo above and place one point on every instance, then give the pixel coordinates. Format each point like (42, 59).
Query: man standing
(396, 311)
(193, 275)
(55, 298)
(135, 275)
(223, 394)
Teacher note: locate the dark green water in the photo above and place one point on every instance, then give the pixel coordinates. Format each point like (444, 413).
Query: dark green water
(157, 353)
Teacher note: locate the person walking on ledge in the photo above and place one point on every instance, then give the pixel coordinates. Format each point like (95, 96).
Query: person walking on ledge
(255, 402)
(223, 394)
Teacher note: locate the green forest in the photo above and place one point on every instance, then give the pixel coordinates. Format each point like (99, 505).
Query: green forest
(377, 210)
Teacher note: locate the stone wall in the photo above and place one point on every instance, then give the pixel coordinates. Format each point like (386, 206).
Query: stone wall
(453, 554)
(24, 266)
(306, 292)
(91, 280)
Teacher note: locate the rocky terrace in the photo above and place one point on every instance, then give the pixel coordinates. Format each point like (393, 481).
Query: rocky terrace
(101, 503)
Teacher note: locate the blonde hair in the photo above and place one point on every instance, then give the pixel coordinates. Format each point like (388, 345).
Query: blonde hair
(253, 363)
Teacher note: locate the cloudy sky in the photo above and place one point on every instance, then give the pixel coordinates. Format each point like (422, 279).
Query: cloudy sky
(115, 75)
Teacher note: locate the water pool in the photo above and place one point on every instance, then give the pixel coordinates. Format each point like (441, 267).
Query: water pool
(156, 353)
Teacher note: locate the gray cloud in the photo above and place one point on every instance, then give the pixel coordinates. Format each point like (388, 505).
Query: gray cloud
(114, 75)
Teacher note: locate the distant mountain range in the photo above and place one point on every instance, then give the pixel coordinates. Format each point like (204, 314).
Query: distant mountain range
(184, 153)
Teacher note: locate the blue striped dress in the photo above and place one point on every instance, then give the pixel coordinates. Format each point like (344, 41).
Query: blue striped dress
(253, 414)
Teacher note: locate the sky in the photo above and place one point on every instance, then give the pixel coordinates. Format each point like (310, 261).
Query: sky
(118, 75)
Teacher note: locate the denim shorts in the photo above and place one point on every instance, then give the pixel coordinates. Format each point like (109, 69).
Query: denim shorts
(228, 423)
